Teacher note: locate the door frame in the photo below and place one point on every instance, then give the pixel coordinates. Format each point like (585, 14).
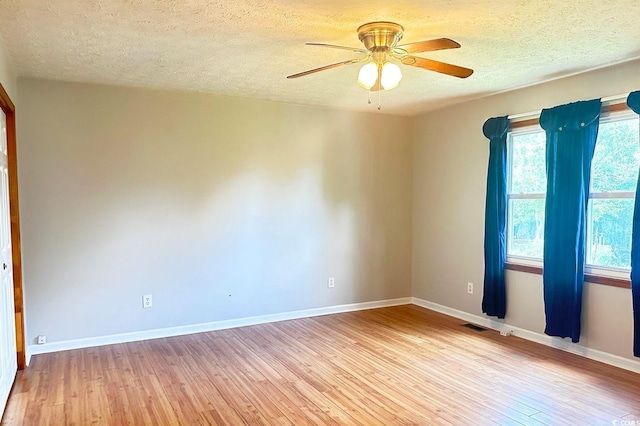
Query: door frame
(9, 110)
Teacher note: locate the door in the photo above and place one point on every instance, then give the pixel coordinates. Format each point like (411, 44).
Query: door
(8, 357)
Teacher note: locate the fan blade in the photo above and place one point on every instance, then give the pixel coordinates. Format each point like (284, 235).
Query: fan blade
(430, 45)
(333, 46)
(326, 67)
(436, 66)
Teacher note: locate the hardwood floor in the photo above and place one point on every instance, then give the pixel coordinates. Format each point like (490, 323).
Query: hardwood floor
(400, 365)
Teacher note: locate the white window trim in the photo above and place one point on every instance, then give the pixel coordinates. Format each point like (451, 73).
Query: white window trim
(619, 273)
(525, 261)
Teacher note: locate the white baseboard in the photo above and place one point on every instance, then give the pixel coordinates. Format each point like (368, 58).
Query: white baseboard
(204, 327)
(607, 358)
(554, 342)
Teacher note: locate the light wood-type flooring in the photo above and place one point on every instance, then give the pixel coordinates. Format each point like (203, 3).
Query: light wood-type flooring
(391, 366)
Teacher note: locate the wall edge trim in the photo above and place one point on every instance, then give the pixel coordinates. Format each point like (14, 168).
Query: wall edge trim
(160, 333)
(494, 324)
(543, 339)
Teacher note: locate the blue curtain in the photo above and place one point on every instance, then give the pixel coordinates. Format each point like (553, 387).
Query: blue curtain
(571, 139)
(634, 103)
(494, 300)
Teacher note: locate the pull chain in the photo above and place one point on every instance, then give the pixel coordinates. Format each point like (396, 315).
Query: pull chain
(379, 96)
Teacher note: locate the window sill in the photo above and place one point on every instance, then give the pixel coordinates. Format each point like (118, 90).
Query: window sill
(588, 277)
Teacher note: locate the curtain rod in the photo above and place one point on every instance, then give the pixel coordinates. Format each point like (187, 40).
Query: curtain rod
(609, 100)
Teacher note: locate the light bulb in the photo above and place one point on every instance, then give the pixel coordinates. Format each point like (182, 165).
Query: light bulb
(368, 75)
(391, 76)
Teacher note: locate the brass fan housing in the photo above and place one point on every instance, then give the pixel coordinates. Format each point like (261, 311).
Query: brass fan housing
(380, 36)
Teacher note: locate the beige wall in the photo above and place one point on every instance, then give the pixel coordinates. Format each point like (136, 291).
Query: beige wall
(8, 78)
(220, 207)
(450, 157)
(225, 208)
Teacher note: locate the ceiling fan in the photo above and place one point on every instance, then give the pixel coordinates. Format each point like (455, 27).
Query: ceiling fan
(380, 40)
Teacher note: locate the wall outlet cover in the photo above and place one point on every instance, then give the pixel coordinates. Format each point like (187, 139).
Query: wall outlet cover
(147, 301)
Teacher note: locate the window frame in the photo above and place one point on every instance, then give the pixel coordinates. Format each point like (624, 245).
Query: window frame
(527, 260)
(608, 195)
(617, 277)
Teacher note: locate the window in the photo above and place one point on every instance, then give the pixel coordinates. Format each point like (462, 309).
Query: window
(614, 174)
(526, 186)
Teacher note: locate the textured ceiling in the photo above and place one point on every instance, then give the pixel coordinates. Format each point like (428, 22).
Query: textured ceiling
(247, 48)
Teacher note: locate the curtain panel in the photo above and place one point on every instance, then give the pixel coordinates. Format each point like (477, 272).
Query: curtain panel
(634, 103)
(571, 132)
(494, 299)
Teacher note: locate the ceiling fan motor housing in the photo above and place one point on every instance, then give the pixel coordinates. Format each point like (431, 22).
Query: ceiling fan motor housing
(380, 36)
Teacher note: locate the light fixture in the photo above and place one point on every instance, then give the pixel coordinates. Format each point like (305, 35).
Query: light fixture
(368, 75)
(389, 73)
(391, 76)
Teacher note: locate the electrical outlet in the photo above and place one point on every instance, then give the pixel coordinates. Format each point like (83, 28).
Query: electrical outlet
(470, 288)
(506, 332)
(42, 339)
(331, 282)
(147, 301)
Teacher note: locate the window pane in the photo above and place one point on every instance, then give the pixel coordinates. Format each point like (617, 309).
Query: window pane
(609, 233)
(526, 228)
(528, 173)
(617, 156)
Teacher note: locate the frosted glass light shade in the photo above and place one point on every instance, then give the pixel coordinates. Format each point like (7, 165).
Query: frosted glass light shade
(368, 75)
(391, 76)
